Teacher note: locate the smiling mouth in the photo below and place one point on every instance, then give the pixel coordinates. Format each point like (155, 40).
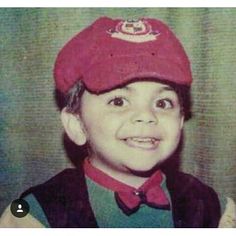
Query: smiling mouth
(146, 143)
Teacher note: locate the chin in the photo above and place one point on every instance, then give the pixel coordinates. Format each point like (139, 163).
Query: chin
(144, 170)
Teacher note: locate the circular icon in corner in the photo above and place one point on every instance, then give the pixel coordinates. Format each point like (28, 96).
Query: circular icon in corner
(19, 208)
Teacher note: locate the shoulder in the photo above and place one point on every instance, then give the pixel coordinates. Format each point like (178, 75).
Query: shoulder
(59, 190)
(57, 184)
(194, 202)
(61, 196)
(183, 184)
(186, 186)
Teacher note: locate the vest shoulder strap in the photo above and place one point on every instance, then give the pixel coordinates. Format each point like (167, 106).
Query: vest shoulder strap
(194, 203)
(64, 200)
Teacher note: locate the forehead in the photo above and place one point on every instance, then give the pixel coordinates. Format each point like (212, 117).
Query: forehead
(146, 86)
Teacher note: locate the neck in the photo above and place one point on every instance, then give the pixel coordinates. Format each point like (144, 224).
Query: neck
(122, 175)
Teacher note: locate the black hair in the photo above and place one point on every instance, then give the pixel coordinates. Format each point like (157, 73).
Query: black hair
(73, 97)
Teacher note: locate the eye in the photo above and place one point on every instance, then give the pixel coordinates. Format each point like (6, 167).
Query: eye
(164, 104)
(118, 101)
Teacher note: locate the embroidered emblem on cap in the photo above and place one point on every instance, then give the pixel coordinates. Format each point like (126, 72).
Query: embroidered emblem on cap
(137, 31)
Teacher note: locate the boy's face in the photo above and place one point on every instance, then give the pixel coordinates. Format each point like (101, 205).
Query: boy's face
(132, 128)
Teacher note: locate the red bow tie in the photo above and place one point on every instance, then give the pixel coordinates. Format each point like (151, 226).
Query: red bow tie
(128, 198)
(129, 202)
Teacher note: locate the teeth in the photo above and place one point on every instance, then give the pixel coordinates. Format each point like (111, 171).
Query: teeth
(143, 139)
(143, 143)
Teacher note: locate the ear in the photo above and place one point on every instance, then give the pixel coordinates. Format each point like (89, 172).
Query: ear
(73, 127)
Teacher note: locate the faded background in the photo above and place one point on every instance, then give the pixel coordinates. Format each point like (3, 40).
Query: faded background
(31, 136)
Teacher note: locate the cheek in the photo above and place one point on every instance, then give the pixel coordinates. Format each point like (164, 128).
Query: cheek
(101, 125)
(172, 127)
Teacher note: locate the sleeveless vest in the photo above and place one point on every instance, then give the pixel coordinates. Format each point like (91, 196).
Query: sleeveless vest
(64, 199)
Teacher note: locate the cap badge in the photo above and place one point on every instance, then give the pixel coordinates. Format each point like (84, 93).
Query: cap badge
(137, 31)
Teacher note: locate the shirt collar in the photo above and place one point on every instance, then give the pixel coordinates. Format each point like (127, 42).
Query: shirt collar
(108, 182)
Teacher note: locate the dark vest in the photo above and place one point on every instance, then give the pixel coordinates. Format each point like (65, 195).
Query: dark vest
(64, 199)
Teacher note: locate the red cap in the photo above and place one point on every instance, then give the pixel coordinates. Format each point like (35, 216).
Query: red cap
(110, 53)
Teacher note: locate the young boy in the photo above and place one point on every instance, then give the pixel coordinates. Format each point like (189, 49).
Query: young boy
(127, 88)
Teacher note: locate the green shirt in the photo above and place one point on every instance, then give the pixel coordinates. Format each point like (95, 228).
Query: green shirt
(109, 215)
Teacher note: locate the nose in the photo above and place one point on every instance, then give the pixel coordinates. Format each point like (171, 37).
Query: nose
(146, 117)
